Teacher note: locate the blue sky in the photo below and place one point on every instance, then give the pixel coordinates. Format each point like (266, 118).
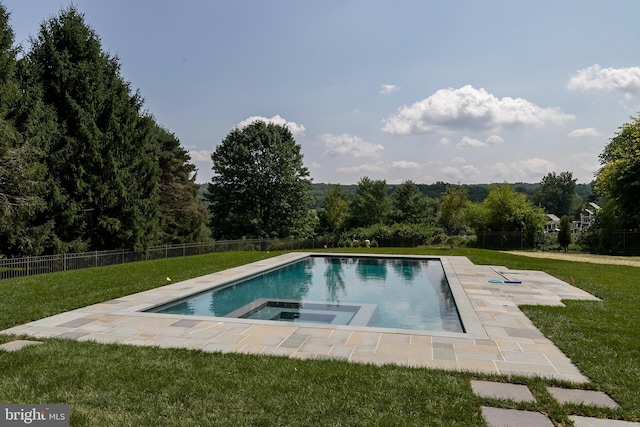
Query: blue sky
(455, 91)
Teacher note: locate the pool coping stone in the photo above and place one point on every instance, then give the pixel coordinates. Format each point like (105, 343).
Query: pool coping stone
(498, 337)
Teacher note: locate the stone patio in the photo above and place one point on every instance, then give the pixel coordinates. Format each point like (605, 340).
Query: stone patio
(499, 338)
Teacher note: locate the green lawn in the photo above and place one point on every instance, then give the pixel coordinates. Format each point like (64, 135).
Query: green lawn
(128, 385)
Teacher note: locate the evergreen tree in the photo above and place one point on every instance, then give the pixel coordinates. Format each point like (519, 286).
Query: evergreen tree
(410, 206)
(260, 186)
(184, 217)
(101, 163)
(21, 172)
(564, 235)
(371, 204)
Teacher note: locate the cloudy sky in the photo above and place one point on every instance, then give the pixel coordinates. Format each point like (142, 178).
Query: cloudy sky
(428, 90)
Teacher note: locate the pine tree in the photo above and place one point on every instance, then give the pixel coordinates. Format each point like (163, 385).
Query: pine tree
(183, 216)
(101, 163)
(21, 171)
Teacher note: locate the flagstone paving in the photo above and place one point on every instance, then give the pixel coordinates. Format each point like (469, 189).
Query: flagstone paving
(498, 337)
(499, 417)
(579, 421)
(491, 389)
(582, 397)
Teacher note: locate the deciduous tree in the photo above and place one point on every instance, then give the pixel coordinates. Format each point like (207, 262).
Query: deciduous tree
(453, 204)
(504, 210)
(260, 186)
(335, 209)
(557, 193)
(619, 177)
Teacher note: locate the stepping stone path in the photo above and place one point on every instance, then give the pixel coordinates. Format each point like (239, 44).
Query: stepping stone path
(510, 417)
(515, 392)
(498, 417)
(585, 397)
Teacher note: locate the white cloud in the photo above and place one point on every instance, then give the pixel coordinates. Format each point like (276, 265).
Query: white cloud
(494, 140)
(295, 129)
(586, 162)
(467, 142)
(466, 173)
(445, 141)
(388, 89)
(404, 164)
(469, 108)
(366, 168)
(525, 170)
(458, 161)
(586, 132)
(349, 145)
(200, 155)
(625, 80)
(383, 167)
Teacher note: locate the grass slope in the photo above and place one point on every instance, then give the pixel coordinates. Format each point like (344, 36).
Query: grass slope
(128, 385)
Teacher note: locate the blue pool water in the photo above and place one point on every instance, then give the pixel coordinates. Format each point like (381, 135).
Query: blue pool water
(364, 291)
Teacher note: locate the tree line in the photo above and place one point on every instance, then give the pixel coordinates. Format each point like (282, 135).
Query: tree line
(84, 167)
(261, 189)
(82, 164)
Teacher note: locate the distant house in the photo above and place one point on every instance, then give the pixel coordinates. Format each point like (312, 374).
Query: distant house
(588, 214)
(553, 224)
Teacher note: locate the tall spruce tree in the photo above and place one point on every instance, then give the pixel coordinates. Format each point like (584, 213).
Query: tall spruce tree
(101, 163)
(183, 216)
(21, 173)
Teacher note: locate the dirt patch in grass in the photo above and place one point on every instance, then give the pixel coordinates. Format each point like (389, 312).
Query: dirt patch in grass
(595, 259)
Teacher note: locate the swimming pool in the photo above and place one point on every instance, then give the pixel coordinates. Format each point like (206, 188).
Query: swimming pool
(386, 292)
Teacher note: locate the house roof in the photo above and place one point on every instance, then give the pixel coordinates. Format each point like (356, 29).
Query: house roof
(553, 218)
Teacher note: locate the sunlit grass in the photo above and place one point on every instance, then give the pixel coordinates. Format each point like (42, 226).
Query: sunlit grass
(128, 385)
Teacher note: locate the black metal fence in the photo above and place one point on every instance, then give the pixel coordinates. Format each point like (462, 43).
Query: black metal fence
(617, 242)
(628, 241)
(27, 266)
(620, 242)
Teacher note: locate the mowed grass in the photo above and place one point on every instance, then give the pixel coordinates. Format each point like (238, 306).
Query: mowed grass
(30, 298)
(128, 385)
